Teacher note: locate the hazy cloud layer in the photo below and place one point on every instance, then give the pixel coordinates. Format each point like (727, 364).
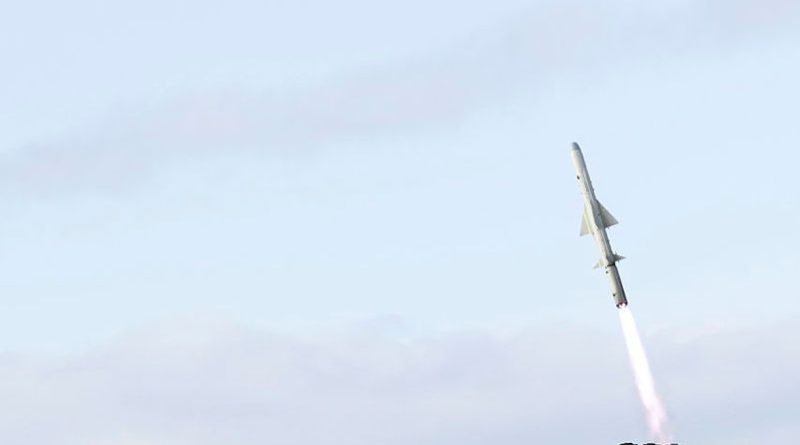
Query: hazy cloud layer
(578, 37)
(206, 382)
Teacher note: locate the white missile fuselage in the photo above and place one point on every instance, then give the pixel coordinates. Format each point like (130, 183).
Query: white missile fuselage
(596, 219)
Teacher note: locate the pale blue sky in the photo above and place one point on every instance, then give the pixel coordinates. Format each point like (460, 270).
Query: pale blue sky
(302, 166)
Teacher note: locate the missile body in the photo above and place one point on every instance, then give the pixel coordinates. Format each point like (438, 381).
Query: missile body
(596, 219)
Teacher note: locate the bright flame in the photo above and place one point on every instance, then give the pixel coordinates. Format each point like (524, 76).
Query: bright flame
(654, 408)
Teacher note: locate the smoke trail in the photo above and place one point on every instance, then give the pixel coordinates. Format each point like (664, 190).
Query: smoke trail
(654, 408)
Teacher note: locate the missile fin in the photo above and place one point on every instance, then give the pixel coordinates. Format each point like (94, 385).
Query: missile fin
(585, 224)
(600, 264)
(607, 217)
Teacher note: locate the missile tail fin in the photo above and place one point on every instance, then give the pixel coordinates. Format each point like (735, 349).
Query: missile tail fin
(607, 217)
(600, 262)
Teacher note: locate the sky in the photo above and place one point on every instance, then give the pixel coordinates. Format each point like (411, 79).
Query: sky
(357, 222)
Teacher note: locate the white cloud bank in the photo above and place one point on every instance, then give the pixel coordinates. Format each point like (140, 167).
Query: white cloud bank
(215, 383)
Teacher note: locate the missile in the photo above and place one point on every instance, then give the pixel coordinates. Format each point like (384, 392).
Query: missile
(596, 219)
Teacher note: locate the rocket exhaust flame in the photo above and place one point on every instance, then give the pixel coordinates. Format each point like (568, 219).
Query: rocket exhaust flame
(654, 409)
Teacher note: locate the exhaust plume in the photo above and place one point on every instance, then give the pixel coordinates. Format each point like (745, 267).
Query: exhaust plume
(653, 406)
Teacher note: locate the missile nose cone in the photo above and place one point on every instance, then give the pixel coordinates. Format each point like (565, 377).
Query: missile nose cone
(575, 146)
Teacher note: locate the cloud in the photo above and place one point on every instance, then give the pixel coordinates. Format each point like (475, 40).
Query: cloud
(548, 40)
(209, 382)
